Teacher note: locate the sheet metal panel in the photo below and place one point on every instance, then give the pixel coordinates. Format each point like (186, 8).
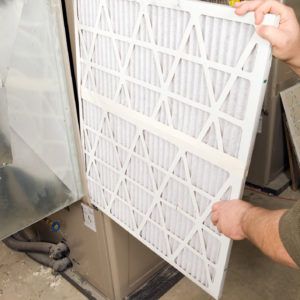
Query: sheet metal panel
(10, 14)
(38, 106)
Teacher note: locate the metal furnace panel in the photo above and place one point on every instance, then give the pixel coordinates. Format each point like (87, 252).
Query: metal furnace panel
(37, 101)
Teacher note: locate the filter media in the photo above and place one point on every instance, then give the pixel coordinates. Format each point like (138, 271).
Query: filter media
(171, 93)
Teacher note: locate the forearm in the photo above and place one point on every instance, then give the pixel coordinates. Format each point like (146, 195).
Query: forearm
(295, 65)
(294, 61)
(261, 227)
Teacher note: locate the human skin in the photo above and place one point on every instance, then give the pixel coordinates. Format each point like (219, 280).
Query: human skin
(285, 39)
(238, 219)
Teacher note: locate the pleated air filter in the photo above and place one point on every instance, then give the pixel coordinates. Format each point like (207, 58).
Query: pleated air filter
(171, 93)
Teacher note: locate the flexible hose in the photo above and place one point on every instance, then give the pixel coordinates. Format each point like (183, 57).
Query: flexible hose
(58, 265)
(18, 243)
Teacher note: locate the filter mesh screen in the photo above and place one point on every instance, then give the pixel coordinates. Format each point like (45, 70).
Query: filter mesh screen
(167, 124)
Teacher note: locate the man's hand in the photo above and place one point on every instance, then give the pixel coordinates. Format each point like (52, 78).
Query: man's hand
(285, 39)
(238, 220)
(228, 217)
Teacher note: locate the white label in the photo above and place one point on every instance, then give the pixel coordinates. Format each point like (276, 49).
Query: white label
(89, 217)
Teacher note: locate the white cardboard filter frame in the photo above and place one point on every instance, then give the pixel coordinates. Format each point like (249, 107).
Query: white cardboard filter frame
(170, 98)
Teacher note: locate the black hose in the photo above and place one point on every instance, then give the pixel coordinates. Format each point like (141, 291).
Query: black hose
(58, 265)
(18, 243)
(28, 246)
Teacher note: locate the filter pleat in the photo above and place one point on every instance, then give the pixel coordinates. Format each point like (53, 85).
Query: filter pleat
(170, 95)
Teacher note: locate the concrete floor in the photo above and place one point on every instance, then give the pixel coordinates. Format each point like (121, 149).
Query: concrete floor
(251, 275)
(23, 279)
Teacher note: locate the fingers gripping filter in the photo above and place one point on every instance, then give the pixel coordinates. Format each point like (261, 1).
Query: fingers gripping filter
(171, 93)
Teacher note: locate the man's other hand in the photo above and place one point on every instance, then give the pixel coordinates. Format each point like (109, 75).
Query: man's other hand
(228, 217)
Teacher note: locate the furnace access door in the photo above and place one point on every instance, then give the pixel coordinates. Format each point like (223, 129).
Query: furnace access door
(39, 152)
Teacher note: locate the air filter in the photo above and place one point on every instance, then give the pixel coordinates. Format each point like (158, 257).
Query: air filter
(171, 93)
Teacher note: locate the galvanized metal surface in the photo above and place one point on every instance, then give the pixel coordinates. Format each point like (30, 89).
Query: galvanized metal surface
(5, 146)
(10, 14)
(45, 174)
(29, 190)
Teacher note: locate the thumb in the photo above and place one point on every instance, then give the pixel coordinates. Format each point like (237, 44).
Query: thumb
(272, 34)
